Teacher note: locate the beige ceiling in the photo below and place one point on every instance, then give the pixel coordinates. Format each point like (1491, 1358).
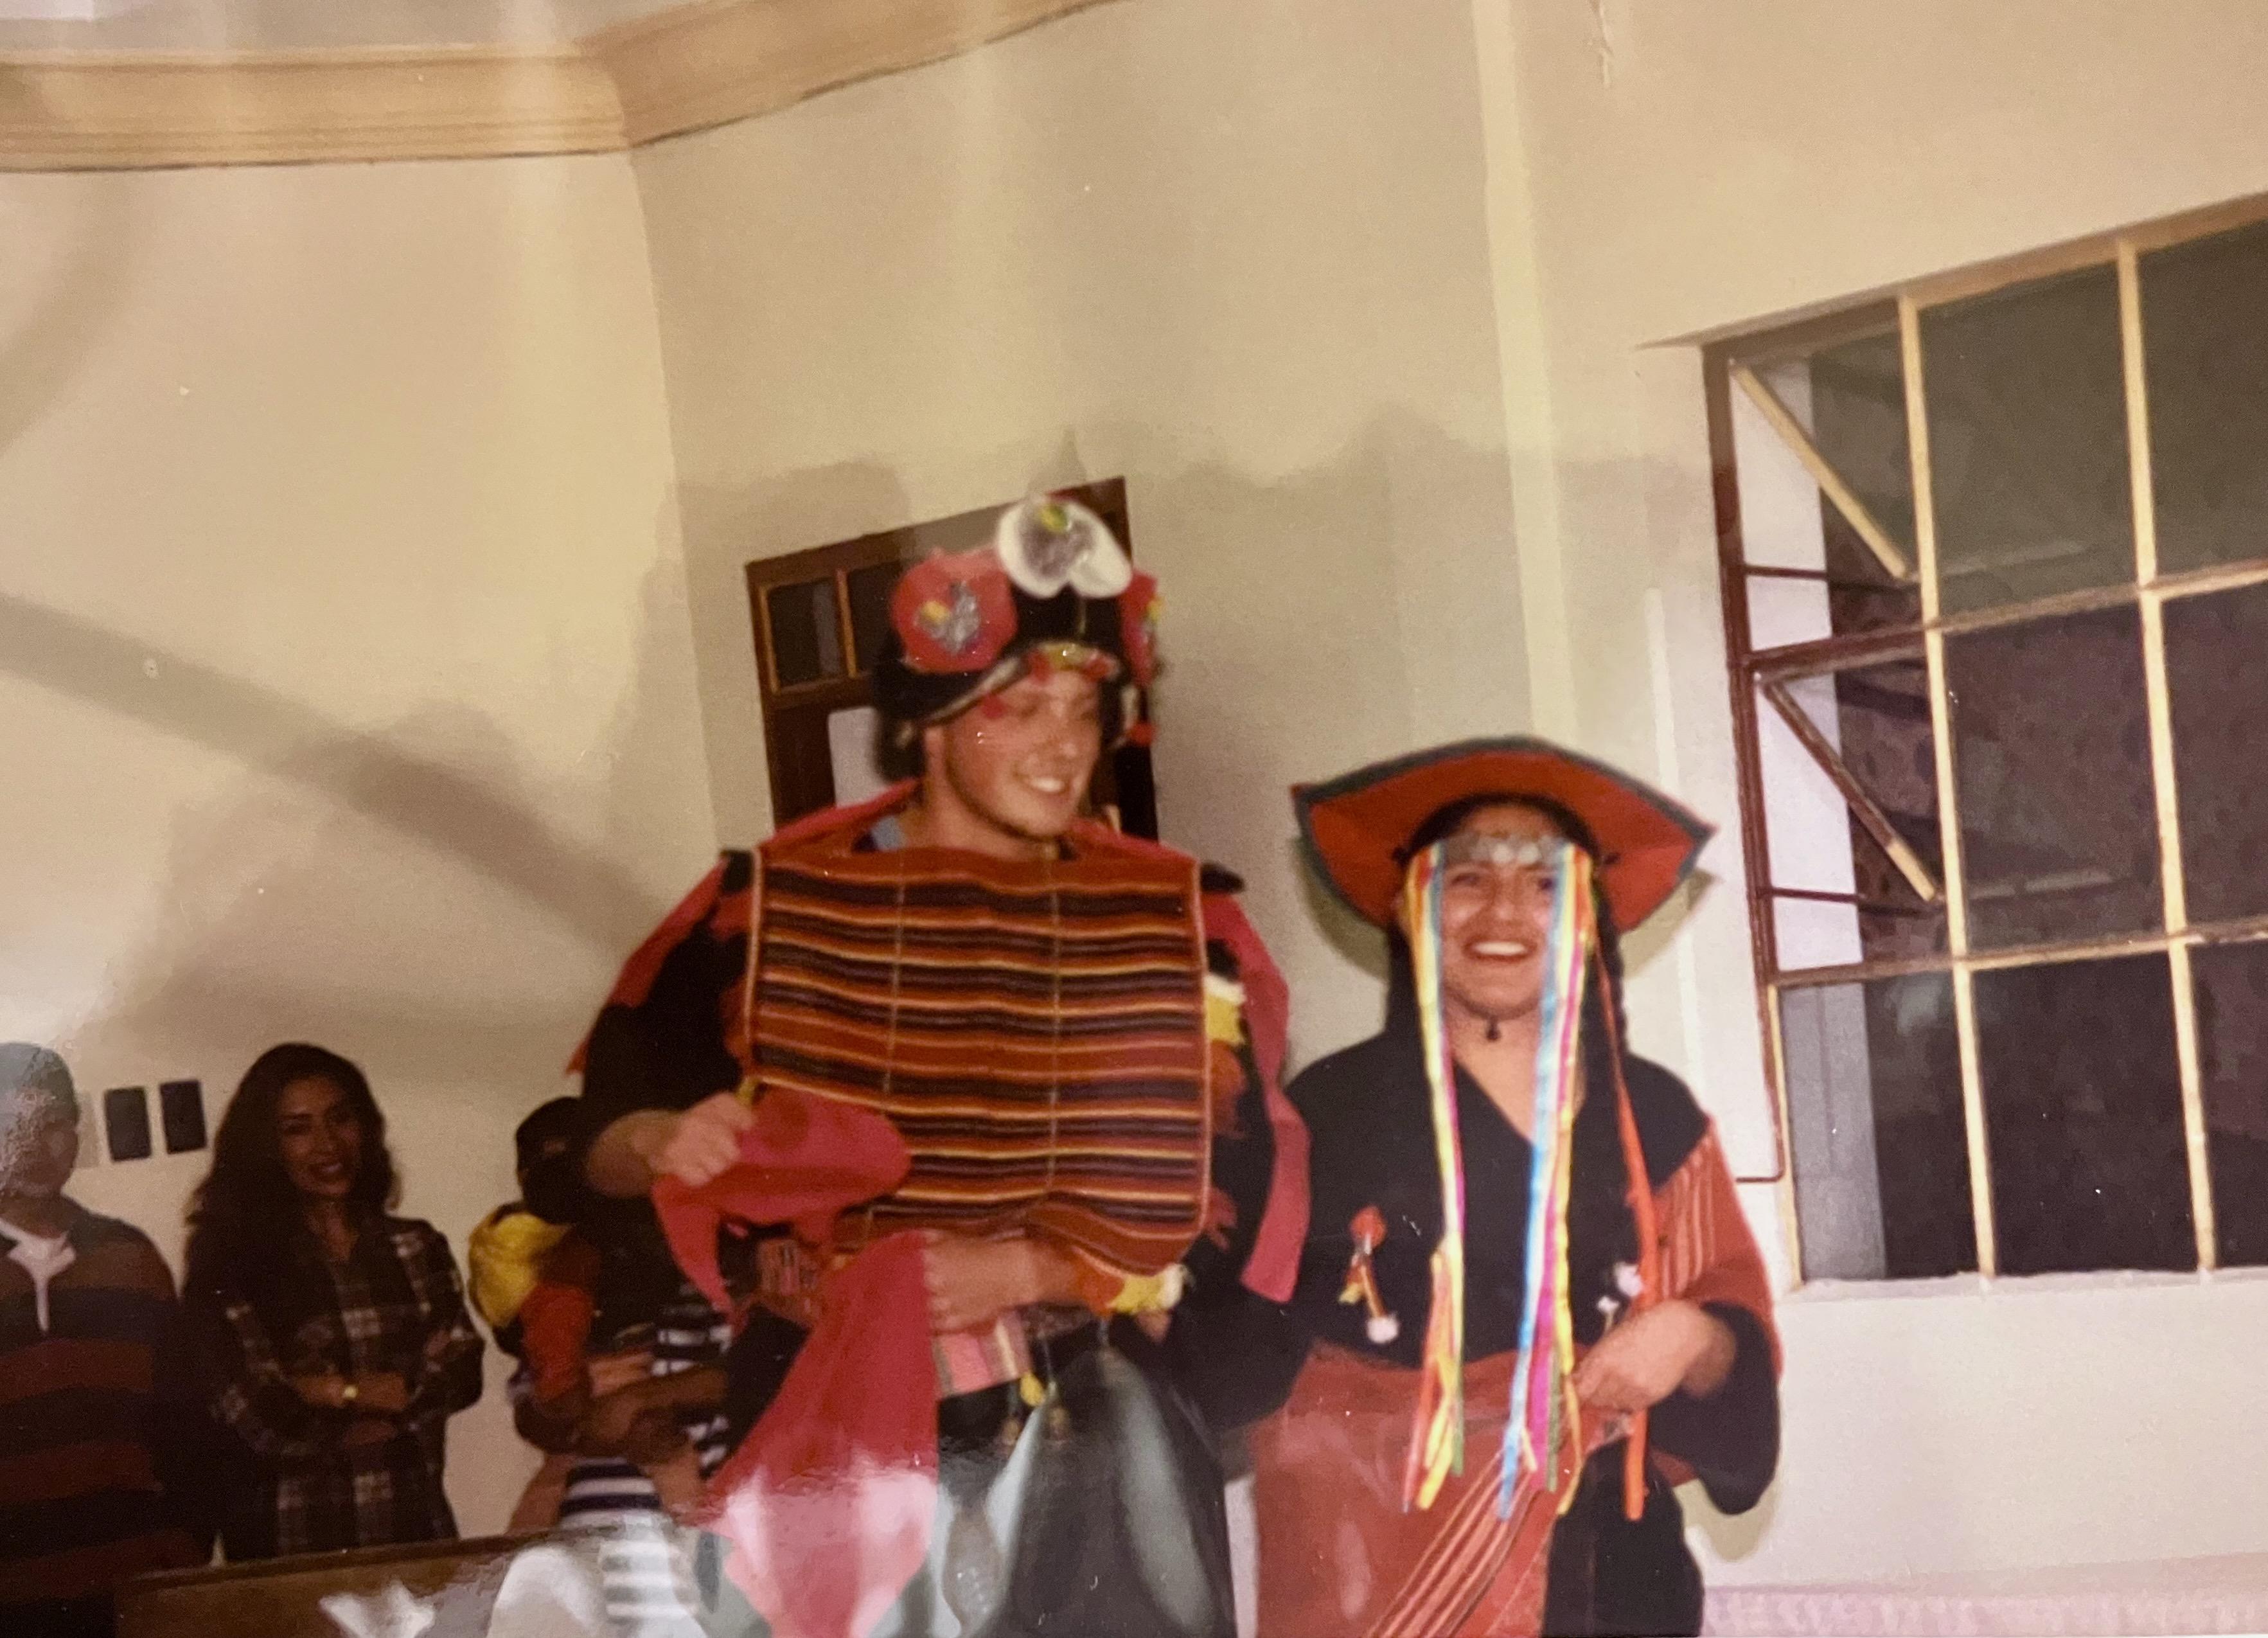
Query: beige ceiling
(305, 25)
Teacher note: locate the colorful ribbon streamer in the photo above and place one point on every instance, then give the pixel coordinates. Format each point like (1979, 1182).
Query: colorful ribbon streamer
(1437, 1448)
(1543, 1414)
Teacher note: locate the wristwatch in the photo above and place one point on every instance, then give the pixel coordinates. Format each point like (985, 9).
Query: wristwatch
(348, 1395)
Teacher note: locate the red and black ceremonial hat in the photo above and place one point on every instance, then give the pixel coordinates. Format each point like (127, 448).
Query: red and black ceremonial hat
(1354, 828)
(1053, 589)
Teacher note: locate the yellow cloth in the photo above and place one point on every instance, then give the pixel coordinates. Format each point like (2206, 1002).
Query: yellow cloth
(505, 1256)
(1224, 1003)
(1152, 1292)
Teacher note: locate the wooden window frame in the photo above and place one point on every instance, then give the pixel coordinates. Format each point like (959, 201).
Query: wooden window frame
(1730, 365)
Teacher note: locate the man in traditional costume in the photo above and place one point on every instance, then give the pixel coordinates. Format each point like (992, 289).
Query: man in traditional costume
(1529, 1303)
(948, 1098)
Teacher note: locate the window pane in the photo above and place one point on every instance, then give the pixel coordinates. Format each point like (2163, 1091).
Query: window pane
(2217, 676)
(1876, 720)
(1858, 422)
(807, 641)
(1850, 400)
(2204, 328)
(2028, 441)
(2232, 1011)
(2083, 1116)
(1879, 1146)
(870, 609)
(851, 754)
(2052, 752)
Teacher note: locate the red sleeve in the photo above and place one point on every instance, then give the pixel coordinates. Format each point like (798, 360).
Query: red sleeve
(1273, 1266)
(555, 1322)
(1730, 1441)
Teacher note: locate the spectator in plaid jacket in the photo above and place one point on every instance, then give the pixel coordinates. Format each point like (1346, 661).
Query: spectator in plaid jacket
(332, 1338)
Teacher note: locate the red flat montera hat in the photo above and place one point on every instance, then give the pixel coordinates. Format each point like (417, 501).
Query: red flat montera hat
(1354, 826)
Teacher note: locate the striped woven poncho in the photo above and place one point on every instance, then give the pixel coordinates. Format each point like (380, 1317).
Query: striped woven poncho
(1036, 1034)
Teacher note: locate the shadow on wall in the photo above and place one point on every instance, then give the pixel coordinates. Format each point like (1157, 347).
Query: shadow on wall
(405, 895)
(434, 798)
(723, 530)
(347, 857)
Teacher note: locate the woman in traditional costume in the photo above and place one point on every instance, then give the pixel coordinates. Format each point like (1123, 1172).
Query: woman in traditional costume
(1508, 1344)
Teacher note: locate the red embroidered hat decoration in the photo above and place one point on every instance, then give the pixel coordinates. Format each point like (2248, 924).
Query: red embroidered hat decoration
(1053, 591)
(954, 614)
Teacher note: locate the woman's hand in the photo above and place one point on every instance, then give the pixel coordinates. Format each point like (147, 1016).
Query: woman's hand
(1654, 1354)
(326, 1391)
(972, 1282)
(382, 1393)
(365, 1431)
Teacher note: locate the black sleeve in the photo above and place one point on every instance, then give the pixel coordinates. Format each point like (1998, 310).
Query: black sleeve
(1233, 1353)
(667, 1049)
(1243, 1167)
(1731, 1439)
(1236, 1356)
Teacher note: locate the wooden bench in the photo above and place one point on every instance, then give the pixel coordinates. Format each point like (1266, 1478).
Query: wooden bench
(283, 1597)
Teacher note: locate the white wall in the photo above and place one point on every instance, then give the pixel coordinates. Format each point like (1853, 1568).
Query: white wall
(1660, 167)
(345, 687)
(1229, 249)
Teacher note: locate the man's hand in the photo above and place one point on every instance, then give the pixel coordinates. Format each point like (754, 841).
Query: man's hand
(703, 1144)
(972, 1282)
(626, 1159)
(1654, 1354)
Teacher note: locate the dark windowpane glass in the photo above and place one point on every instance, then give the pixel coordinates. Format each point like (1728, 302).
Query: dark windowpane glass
(1880, 1153)
(2083, 1116)
(1823, 579)
(1858, 422)
(2028, 453)
(2232, 1010)
(870, 610)
(2205, 330)
(2217, 677)
(807, 641)
(802, 760)
(2051, 753)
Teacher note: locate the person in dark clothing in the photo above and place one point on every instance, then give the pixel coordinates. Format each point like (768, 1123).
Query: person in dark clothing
(331, 1335)
(1673, 1361)
(99, 1422)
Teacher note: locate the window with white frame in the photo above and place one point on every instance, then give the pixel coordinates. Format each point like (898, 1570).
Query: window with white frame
(1995, 560)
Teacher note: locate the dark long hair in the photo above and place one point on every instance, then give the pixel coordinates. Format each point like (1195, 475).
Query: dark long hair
(246, 1220)
(1601, 1230)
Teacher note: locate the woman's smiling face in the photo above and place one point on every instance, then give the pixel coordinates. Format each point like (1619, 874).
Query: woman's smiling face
(1495, 914)
(321, 1138)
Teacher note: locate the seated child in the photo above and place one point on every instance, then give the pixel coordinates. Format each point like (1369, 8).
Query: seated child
(582, 1317)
